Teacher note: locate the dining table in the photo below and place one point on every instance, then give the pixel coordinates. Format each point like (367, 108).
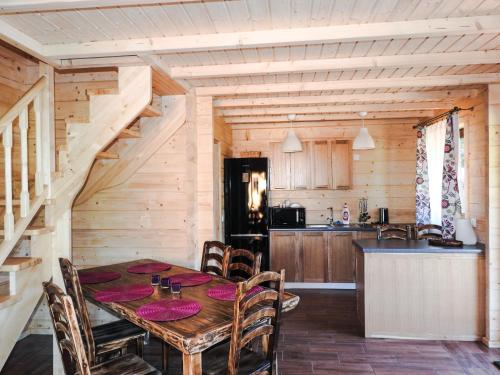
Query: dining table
(192, 335)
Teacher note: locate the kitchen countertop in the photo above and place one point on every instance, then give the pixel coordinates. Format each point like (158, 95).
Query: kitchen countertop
(329, 228)
(413, 246)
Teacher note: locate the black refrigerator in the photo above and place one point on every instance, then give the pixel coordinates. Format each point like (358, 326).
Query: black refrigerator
(245, 205)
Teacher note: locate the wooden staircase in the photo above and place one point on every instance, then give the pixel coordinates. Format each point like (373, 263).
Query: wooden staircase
(112, 114)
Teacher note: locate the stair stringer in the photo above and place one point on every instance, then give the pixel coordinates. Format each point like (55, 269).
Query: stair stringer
(154, 133)
(15, 317)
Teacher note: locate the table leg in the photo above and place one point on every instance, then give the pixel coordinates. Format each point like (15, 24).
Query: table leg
(191, 364)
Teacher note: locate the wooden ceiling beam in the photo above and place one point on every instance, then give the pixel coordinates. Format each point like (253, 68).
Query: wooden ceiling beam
(351, 108)
(277, 37)
(31, 6)
(444, 95)
(350, 63)
(380, 83)
(328, 117)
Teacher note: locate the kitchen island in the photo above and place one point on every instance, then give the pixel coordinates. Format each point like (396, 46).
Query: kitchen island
(409, 289)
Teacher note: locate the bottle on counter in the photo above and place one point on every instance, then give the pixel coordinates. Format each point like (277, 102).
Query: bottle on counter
(346, 215)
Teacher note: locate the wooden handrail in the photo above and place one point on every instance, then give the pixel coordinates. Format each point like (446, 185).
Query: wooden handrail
(26, 99)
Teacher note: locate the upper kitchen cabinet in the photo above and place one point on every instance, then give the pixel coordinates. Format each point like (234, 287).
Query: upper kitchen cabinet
(342, 164)
(321, 165)
(280, 168)
(300, 166)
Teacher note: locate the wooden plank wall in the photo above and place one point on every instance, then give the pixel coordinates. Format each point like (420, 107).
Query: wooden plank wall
(385, 175)
(224, 137)
(493, 323)
(475, 124)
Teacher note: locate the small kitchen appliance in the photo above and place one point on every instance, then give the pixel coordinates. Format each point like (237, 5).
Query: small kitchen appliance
(288, 217)
(383, 216)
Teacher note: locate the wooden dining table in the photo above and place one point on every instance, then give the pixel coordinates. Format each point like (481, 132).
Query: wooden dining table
(191, 336)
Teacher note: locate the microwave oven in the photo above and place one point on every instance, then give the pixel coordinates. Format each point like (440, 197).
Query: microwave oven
(288, 217)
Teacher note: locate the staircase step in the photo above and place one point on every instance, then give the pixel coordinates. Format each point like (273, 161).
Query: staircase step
(14, 264)
(107, 155)
(33, 231)
(150, 111)
(129, 133)
(6, 301)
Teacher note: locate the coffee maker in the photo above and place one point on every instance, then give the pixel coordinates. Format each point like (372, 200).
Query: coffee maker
(383, 216)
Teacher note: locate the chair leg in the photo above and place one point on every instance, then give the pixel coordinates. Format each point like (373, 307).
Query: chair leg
(140, 346)
(165, 349)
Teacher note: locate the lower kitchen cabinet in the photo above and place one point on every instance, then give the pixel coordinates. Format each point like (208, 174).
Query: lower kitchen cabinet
(340, 257)
(315, 249)
(315, 256)
(287, 253)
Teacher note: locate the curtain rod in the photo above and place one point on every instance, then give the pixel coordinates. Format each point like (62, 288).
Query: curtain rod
(432, 120)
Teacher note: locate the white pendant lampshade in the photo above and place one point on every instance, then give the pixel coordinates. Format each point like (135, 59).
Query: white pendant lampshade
(291, 143)
(364, 140)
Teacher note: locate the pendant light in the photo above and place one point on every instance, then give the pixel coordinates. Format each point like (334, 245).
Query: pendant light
(363, 141)
(291, 143)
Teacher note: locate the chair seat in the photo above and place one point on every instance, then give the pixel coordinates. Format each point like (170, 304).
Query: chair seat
(215, 361)
(106, 336)
(126, 365)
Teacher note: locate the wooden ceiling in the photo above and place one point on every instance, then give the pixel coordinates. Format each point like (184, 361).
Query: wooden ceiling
(262, 59)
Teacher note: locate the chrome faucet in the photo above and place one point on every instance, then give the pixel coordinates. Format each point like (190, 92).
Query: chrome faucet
(329, 219)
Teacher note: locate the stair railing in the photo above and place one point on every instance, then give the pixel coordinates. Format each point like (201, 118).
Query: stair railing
(20, 111)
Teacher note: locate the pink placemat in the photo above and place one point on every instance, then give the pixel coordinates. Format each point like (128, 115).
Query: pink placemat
(227, 292)
(97, 277)
(164, 311)
(124, 293)
(191, 278)
(149, 267)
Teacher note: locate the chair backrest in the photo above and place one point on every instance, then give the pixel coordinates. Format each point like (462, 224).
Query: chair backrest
(66, 330)
(429, 231)
(391, 232)
(74, 290)
(214, 258)
(243, 264)
(256, 315)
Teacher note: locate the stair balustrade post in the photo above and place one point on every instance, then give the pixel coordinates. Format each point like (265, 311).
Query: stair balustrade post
(25, 194)
(37, 106)
(9, 216)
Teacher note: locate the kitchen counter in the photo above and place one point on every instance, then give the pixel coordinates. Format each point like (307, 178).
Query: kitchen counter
(408, 289)
(412, 246)
(329, 228)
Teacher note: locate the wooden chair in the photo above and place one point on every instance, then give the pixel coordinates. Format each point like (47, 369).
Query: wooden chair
(426, 231)
(104, 339)
(214, 258)
(69, 341)
(243, 264)
(255, 317)
(391, 232)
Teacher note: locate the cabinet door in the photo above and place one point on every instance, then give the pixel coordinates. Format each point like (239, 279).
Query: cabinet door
(280, 168)
(342, 165)
(340, 257)
(321, 166)
(301, 170)
(314, 245)
(285, 251)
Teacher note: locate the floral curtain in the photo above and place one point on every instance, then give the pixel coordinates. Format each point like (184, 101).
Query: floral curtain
(450, 198)
(423, 208)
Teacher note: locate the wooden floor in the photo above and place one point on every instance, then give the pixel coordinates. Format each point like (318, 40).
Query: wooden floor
(320, 337)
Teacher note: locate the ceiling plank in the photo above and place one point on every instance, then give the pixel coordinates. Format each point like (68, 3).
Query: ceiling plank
(418, 60)
(328, 117)
(445, 95)
(448, 80)
(351, 108)
(277, 37)
(31, 6)
(24, 42)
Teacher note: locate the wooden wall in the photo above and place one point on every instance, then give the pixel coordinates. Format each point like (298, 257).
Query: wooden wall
(385, 175)
(475, 124)
(493, 255)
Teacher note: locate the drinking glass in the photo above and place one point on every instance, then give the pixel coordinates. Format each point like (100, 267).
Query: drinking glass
(155, 280)
(165, 282)
(176, 288)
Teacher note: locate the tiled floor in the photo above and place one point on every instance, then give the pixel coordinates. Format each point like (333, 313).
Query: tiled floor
(321, 336)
